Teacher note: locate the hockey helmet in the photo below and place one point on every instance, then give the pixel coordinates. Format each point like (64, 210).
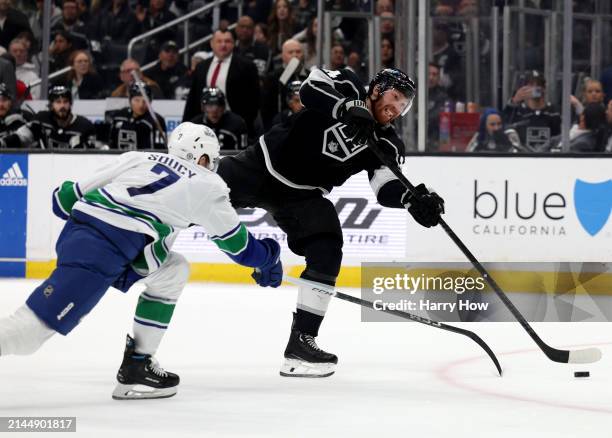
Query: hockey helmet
(190, 141)
(213, 96)
(4, 91)
(137, 88)
(57, 91)
(394, 78)
(293, 88)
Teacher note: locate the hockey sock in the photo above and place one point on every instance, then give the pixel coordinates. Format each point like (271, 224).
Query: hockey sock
(23, 332)
(153, 314)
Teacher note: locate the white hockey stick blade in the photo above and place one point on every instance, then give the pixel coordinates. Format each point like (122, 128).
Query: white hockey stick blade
(292, 66)
(588, 355)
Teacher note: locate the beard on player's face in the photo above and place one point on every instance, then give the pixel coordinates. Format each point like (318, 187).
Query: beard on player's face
(387, 107)
(61, 113)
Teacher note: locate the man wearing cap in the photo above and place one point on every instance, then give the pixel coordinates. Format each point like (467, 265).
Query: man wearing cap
(230, 128)
(169, 69)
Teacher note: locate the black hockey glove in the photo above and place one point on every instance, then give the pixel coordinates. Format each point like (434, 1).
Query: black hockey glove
(358, 120)
(271, 273)
(424, 206)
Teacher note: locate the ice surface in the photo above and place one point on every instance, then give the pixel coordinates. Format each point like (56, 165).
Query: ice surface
(394, 379)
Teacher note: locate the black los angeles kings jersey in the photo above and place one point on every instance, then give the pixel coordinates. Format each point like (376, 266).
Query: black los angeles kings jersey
(311, 150)
(43, 131)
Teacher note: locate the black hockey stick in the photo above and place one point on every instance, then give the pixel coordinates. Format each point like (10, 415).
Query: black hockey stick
(588, 355)
(329, 290)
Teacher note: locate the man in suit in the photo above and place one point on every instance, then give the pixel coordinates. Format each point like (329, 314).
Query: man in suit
(234, 75)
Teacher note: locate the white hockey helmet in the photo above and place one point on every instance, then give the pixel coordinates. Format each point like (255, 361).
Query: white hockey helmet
(190, 141)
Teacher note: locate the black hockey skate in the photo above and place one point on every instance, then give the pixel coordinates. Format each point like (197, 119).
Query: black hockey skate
(304, 358)
(141, 377)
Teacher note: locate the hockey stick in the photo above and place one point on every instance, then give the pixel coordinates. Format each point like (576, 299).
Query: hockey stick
(138, 82)
(588, 355)
(329, 290)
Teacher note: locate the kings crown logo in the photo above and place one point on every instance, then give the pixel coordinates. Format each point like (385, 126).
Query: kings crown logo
(13, 177)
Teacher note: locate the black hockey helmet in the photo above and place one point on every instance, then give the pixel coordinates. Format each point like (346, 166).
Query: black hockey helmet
(137, 88)
(394, 78)
(57, 91)
(4, 91)
(293, 88)
(213, 96)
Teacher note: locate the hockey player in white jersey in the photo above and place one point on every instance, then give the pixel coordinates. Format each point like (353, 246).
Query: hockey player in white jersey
(120, 225)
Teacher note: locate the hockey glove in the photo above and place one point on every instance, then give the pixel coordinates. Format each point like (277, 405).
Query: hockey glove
(358, 120)
(270, 273)
(424, 206)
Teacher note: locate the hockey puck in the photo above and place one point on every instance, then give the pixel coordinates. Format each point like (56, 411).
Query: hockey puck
(582, 374)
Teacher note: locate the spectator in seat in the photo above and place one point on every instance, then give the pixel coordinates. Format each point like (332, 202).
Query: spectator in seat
(83, 11)
(387, 24)
(116, 23)
(590, 134)
(70, 18)
(230, 128)
(60, 50)
(247, 46)
(275, 100)
(281, 25)
(169, 70)
(13, 23)
(125, 75)
(384, 6)
(534, 118)
(36, 23)
(82, 80)
(25, 71)
(152, 17)
(308, 39)
(387, 52)
(592, 92)
(304, 11)
(234, 75)
(491, 136)
(336, 59)
(261, 33)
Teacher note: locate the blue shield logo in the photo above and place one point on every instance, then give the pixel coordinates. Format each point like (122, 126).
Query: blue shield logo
(593, 203)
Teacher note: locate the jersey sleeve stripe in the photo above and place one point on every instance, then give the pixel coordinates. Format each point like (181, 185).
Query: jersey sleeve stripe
(235, 243)
(229, 233)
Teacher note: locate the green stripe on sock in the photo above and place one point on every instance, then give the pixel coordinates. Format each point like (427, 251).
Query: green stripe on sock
(154, 310)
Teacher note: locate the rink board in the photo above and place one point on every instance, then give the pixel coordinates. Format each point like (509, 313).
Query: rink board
(504, 209)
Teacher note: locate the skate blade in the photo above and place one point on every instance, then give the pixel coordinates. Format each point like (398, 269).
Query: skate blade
(300, 368)
(141, 392)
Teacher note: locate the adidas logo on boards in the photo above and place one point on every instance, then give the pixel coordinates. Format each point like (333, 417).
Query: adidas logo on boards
(13, 177)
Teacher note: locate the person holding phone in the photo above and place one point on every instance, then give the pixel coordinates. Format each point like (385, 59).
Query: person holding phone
(535, 119)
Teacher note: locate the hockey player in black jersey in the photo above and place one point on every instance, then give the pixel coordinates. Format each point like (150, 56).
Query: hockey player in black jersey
(57, 128)
(294, 104)
(133, 127)
(10, 121)
(295, 164)
(230, 128)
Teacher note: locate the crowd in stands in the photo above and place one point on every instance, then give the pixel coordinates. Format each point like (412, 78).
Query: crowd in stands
(248, 78)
